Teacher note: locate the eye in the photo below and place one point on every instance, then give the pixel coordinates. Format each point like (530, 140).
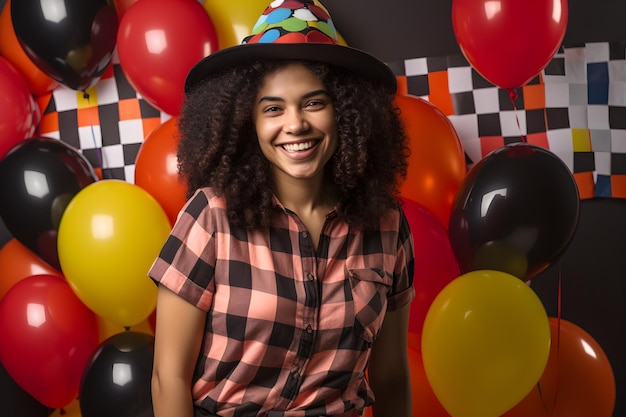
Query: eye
(315, 104)
(271, 109)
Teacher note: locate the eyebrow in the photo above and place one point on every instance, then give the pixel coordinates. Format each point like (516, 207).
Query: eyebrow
(307, 95)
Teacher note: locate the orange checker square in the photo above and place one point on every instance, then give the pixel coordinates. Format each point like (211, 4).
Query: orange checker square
(87, 116)
(539, 139)
(490, 143)
(129, 109)
(534, 96)
(49, 123)
(618, 185)
(585, 184)
(149, 124)
(439, 93)
(403, 87)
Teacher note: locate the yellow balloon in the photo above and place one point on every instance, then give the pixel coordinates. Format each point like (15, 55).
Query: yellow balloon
(485, 343)
(107, 328)
(70, 410)
(233, 21)
(109, 235)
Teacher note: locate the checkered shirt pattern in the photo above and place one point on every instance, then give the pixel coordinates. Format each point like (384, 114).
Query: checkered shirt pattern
(107, 123)
(576, 108)
(289, 330)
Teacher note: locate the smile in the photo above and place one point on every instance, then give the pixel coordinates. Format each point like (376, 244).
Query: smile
(298, 147)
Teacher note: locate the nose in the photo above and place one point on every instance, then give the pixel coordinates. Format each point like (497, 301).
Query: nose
(295, 122)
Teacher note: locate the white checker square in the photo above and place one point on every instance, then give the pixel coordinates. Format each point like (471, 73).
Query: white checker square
(513, 123)
(129, 173)
(557, 95)
(561, 144)
(113, 156)
(90, 137)
(618, 140)
(617, 70)
(131, 131)
(598, 116)
(575, 65)
(415, 66)
(602, 162)
(617, 93)
(65, 98)
(596, 52)
(106, 91)
(577, 117)
(460, 79)
(486, 100)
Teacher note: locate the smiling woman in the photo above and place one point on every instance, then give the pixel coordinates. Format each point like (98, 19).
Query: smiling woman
(288, 274)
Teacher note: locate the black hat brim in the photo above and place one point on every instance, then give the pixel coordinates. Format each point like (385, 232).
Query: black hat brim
(346, 57)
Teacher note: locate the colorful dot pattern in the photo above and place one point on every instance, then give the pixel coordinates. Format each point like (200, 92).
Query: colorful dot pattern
(290, 21)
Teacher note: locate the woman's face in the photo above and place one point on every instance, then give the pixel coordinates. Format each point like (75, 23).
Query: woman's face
(295, 122)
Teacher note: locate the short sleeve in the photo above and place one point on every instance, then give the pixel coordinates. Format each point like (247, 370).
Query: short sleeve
(186, 263)
(403, 291)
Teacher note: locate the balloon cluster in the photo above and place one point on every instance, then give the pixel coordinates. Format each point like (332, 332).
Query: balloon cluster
(77, 307)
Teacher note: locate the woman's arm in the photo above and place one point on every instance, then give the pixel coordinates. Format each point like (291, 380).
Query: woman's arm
(388, 370)
(178, 336)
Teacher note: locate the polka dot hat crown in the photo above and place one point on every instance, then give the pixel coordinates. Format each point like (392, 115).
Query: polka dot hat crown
(293, 30)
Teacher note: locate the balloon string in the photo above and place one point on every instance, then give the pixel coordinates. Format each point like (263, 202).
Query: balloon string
(513, 96)
(558, 334)
(97, 148)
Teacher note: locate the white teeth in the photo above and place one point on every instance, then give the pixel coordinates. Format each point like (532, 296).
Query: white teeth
(295, 147)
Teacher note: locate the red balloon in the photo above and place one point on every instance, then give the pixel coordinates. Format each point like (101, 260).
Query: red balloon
(437, 161)
(38, 81)
(156, 169)
(158, 42)
(18, 262)
(19, 114)
(509, 42)
(435, 262)
(48, 336)
(578, 380)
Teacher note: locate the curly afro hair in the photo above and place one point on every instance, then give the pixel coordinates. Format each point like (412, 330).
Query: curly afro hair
(218, 146)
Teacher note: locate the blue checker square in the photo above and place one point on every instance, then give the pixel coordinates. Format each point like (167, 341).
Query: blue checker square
(598, 83)
(603, 186)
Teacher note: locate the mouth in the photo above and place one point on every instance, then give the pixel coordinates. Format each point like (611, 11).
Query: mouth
(299, 147)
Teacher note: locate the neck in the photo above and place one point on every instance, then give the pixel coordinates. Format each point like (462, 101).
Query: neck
(305, 196)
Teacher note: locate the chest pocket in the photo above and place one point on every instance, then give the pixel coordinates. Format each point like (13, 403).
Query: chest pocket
(369, 294)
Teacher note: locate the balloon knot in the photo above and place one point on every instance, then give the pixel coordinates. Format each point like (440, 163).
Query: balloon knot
(513, 94)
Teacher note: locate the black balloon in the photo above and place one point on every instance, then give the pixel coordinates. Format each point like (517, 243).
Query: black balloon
(72, 41)
(516, 211)
(38, 178)
(117, 378)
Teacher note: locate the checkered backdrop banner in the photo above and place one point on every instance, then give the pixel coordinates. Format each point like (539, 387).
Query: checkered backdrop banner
(108, 123)
(576, 108)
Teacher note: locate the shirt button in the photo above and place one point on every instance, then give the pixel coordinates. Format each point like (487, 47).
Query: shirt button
(309, 329)
(305, 234)
(310, 276)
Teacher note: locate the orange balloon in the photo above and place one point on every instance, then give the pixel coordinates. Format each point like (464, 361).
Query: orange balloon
(38, 81)
(18, 262)
(578, 380)
(437, 162)
(156, 169)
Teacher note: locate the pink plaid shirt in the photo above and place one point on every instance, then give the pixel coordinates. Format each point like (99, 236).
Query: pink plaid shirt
(289, 330)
